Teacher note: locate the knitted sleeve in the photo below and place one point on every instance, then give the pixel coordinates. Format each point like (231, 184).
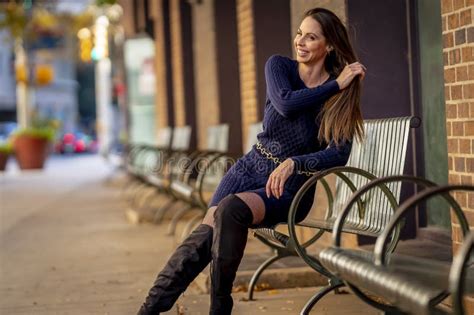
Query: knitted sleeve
(333, 155)
(287, 101)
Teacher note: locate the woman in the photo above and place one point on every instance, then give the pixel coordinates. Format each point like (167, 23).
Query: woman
(312, 113)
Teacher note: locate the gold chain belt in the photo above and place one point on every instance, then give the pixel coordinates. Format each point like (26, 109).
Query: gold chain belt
(269, 156)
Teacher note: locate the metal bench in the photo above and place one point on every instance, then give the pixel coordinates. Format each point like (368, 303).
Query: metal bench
(192, 178)
(161, 177)
(143, 161)
(411, 285)
(382, 153)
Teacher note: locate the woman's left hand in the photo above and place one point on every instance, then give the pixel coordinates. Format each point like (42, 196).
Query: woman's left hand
(277, 179)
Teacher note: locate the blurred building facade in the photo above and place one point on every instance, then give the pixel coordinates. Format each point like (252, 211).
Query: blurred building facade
(209, 67)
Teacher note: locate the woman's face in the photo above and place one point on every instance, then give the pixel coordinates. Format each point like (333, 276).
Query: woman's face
(310, 43)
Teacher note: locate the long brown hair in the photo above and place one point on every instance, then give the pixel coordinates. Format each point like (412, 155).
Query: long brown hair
(341, 117)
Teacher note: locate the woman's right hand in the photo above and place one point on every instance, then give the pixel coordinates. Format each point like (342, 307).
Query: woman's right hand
(349, 73)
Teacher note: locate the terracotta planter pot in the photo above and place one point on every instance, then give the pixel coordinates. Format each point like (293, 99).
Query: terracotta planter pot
(3, 160)
(30, 152)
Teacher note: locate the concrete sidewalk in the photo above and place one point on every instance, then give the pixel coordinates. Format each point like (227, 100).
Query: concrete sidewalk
(66, 248)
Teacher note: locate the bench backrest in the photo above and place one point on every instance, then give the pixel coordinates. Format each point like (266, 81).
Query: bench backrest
(181, 138)
(382, 153)
(163, 137)
(254, 130)
(218, 138)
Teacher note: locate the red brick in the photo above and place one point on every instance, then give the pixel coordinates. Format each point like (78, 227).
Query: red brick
(470, 34)
(460, 36)
(456, 92)
(459, 164)
(465, 147)
(469, 128)
(448, 40)
(449, 130)
(468, 91)
(463, 110)
(456, 234)
(445, 58)
(458, 128)
(458, 4)
(465, 17)
(455, 56)
(461, 73)
(469, 216)
(447, 93)
(449, 75)
(466, 180)
(450, 163)
(454, 179)
(446, 6)
(469, 3)
(470, 200)
(451, 111)
(454, 219)
(461, 198)
(467, 54)
(470, 164)
(453, 21)
(443, 23)
(471, 111)
(470, 72)
(453, 146)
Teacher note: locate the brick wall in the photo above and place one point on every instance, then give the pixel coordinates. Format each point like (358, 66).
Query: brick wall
(161, 99)
(247, 67)
(177, 63)
(458, 54)
(205, 68)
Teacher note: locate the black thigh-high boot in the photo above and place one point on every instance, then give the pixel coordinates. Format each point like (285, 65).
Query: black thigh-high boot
(232, 219)
(188, 260)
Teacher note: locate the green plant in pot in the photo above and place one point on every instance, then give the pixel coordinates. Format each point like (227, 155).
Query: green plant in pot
(32, 144)
(6, 150)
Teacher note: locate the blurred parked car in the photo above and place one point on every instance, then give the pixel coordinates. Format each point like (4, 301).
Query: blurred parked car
(76, 143)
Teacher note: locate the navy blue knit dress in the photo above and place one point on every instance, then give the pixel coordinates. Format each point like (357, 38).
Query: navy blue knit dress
(290, 130)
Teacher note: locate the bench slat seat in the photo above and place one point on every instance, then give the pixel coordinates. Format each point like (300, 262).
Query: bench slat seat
(273, 236)
(413, 283)
(328, 225)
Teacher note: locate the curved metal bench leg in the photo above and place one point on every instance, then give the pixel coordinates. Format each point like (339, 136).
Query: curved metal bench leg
(161, 211)
(140, 199)
(142, 190)
(258, 272)
(176, 217)
(134, 191)
(129, 188)
(318, 296)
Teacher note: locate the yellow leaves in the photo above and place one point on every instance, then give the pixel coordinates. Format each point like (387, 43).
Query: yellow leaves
(13, 18)
(44, 74)
(44, 19)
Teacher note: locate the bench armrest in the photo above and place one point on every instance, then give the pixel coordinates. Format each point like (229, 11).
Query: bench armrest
(381, 243)
(376, 183)
(338, 171)
(203, 171)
